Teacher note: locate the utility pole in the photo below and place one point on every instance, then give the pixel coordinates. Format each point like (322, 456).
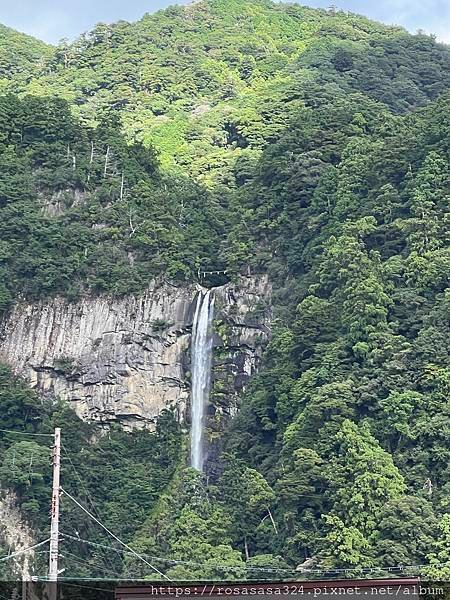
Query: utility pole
(54, 527)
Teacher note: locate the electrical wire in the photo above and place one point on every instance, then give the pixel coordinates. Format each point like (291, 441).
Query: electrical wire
(143, 557)
(104, 557)
(271, 569)
(19, 552)
(97, 545)
(69, 555)
(180, 562)
(114, 536)
(146, 580)
(27, 433)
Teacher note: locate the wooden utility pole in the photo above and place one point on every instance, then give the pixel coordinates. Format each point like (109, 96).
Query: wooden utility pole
(54, 527)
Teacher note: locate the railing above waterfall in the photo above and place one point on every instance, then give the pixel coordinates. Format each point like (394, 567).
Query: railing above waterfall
(203, 274)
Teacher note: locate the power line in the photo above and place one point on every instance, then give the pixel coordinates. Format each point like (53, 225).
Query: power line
(175, 561)
(103, 547)
(104, 557)
(180, 562)
(68, 555)
(266, 569)
(114, 536)
(146, 580)
(80, 480)
(19, 552)
(26, 433)
(97, 545)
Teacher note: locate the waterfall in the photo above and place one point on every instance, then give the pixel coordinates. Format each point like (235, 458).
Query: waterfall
(201, 362)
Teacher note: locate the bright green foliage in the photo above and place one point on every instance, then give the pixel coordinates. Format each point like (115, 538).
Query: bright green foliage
(267, 564)
(217, 81)
(406, 531)
(248, 499)
(397, 414)
(210, 86)
(193, 531)
(362, 477)
(440, 558)
(20, 56)
(349, 213)
(345, 546)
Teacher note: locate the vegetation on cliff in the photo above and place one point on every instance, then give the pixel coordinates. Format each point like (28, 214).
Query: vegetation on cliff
(311, 145)
(117, 476)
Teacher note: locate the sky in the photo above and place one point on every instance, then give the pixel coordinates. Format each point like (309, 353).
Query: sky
(52, 20)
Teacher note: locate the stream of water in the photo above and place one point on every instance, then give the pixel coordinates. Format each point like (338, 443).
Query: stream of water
(201, 362)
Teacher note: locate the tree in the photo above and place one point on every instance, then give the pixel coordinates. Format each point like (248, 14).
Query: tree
(25, 467)
(439, 568)
(362, 477)
(20, 408)
(397, 411)
(428, 189)
(249, 500)
(405, 533)
(344, 546)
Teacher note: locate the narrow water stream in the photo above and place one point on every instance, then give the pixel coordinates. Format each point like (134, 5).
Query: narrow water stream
(201, 363)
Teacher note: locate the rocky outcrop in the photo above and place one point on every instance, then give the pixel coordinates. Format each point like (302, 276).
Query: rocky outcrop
(15, 535)
(127, 359)
(56, 204)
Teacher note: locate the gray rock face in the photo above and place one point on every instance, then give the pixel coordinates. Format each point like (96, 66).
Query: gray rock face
(16, 535)
(128, 359)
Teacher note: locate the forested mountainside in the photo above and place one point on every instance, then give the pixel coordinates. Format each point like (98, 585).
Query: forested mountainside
(218, 80)
(20, 56)
(247, 137)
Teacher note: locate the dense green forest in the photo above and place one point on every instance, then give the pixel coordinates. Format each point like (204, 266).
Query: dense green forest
(81, 210)
(21, 56)
(254, 137)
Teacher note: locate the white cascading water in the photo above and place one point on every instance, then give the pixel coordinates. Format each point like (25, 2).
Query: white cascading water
(201, 362)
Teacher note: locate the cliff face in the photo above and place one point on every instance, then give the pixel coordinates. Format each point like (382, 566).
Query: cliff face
(15, 534)
(127, 359)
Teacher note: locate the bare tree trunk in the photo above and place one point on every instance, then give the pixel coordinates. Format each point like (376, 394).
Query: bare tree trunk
(273, 522)
(132, 227)
(91, 160)
(106, 163)
(247, 555)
